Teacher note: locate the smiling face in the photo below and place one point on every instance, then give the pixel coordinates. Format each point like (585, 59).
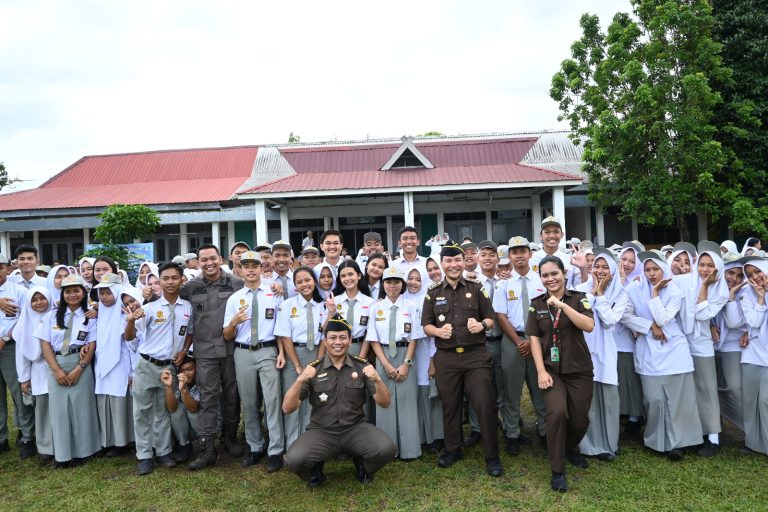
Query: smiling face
(170, 281)
(27, 262)
(372, 246)
(552, 277)
(39, 303)
(251, 272)
(130, 303)
(86, 271)
(755, 274)
(453, 266)
(414, 281)
(392, 288)
(305, 283)
(60, 274)
(550, 238)
(733, 277)
(331, 247)
(210, 262)
(99, 269)
(653, 272)
(488, 260)
(73, 296)
(106, 297)
(375, 269)
(281, 260)
(600, 268)
(154, 283)
(326, 279)
(409, 242)
(433, 271)
(349, 278)
(681, 264)
(311, 259)
(337, 342)
(470, 259)
(705, 266)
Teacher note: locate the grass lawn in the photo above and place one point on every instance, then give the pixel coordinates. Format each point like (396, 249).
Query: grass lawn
(637, 480)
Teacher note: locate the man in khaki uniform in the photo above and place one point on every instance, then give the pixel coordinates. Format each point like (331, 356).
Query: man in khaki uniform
(337, 387)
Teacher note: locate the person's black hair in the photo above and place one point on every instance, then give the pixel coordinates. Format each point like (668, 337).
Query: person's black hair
(207, 246)
(25, 248)
(753, 241)
(63, 307)
(109, 261)
(189, 358)
(238, 244)
(362, 282)
(383, 293)
(315, 291)
(552, 259)
(407, 229)
(374, 256)
(331, 232)
(169, 265)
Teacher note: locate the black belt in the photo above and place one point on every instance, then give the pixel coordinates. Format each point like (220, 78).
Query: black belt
(459, 350)
(300, 344)
(256, 346)
(359, 339)
(72, 350)
(520, 334)
(401, 343)
(493, 338)
(157, 362)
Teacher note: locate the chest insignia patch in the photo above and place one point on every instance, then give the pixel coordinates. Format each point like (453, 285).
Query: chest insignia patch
(323, 397)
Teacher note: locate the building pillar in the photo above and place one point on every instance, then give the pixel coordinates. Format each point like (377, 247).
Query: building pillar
(216, 237)
(262, 236)
(36, 240)
(701, 218)
(488, 225)
(86, 238)
(535, 216)
(336, 223)
(587, 223)
(390, 240)
(635, 230)
(326, 224)
(183, 239)
(440, 223)
(410, 216)
(5, 244)
(558, 207)
(600, 225)
(231, 233)
(285, 231)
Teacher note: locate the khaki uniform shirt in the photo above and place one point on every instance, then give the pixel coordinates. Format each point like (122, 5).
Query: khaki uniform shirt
(444, 304)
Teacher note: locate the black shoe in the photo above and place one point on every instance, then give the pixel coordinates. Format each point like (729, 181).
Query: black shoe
(274, 463)
(361, 473)
(675, 454)
(77, 462)
(112, 452)
(558, 482)
(167, 461)
(4, 447)
(27, 449)
(633, 430)
(577, 459)
(523, 439)
(448, 459)
(251, 459)
(317, 478)
(709, 449)
(145, 467)
(61, 465)
(44, 458)
(606, 457)
(513, 446)
(473, 438)
(431, 448)
(234, 447)
(183, 453)
(493, 466)
(208, 456)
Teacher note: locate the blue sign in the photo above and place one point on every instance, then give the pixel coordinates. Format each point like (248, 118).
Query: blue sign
(140, 252)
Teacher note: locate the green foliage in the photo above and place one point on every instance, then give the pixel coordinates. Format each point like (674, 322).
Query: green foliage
(643, 96)
(5, 181)
(432, 134)
(294, 139)
(124, 258)
(123, 223)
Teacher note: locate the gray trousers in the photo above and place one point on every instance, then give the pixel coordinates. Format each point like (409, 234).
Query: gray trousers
(43, 432)
(151, 420)
(296, 423)
(253, 368)
(184, 424)
(9, 379)
(516, 371)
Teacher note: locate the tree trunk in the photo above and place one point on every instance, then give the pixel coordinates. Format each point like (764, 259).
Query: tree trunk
(682, 226)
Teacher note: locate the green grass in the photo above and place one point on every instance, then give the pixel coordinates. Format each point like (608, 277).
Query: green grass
(637, 480)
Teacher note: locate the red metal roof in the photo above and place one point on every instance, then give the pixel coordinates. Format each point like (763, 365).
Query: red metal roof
(158, 177)
(456, 163)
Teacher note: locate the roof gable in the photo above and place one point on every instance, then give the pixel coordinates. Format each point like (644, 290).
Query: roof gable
(407, 156)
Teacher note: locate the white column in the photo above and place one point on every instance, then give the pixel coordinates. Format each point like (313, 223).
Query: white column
(86, 238)
(535, 217)
(440, 223)
(285, 232)
(261, 222)
(216, 237)
(326, 224)
(558, 206)
(231, 233)
(183, 239)
(488, 225)
(635, 235)
(390, 241)
(730, 233)
(336, 223)
(701, 218)
(587, 223)
(410, 217)
(36, 240)
(600, 224)
(5, 244)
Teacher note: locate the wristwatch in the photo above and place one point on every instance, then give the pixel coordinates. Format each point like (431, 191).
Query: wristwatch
(484, 326)
(83, 365)
(6, 339)
(408, 361)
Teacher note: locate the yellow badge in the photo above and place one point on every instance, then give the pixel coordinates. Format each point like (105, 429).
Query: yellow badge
(338, 307)
(485, 293)
(242, 302)
(585, 303)
(535, 268)
(159, 315)
(511, 295)
(293, 312)
(531, 308)
(380, 312)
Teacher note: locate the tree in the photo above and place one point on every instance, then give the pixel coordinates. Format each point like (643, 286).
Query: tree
(122, 223)
(432, 134)
(642, 96)
(294, 139)
(5, 181)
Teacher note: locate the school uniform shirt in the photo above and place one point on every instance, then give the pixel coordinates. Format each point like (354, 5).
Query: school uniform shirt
(756, 317)
(19, 295)
(82, 332)
(732, 325)
(267, 312)
(406, 266)
(404, 327)
(489, 287)
(292, 319)
(375, 290)
(508, 297)
(286, 281)
(159, 340)
(334, 268)
(36, 280)
(362, 312)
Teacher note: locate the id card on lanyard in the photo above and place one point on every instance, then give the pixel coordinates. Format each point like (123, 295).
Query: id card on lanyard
(554, 352)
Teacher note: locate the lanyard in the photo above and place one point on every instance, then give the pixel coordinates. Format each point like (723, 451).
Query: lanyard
(555, 324)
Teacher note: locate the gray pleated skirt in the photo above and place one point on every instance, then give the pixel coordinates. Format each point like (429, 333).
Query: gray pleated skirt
(115, 419)
(630, 387)
(74, 421)
(672, 419)
(754, 383)
(43, 431)
(707, 400)
(603, 433)
(430, 416)
(728, 367)
(400, 421)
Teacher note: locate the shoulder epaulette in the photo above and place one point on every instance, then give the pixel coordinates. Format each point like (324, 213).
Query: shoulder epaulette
(360, 359)
(470, 280)
(314, 363)
(434, 285)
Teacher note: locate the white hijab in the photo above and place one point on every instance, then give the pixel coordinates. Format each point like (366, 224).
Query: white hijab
(674, 255)
(690, 284)
(152, 267)
(109, 333)
(319, 268)
(50, 283)
(637, 272)
(731, 246)
(29, 319)
(750, 294)
(746, 246)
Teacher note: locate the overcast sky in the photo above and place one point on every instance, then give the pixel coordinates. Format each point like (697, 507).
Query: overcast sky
(92, 77)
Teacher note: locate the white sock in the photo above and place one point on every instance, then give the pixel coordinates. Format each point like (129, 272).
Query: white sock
(714, 438)
(634, 419)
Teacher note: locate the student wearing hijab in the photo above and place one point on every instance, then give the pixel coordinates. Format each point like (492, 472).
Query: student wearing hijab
(729, 246)
(67, 340)
(433, 268)
(754, 358)
(609, 301)
(145, 269)
(351, 299)
(705, 293)
(113, 369)
(325, 278)
(33, 370)
(681, 260)
(663, 360)
(53, 282)
(152, 290)
(390, 337)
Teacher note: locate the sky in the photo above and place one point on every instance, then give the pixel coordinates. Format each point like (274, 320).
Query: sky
(84, 78)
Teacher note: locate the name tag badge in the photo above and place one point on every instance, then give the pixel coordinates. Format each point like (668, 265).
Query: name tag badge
(407, 328)
(441, 301)
(81, 335)
(554, 354)
(183, 330)
(269, 313)
(364, 320)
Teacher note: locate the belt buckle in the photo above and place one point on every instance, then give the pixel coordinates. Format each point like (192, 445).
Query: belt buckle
(255, 346)
(459, 350)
